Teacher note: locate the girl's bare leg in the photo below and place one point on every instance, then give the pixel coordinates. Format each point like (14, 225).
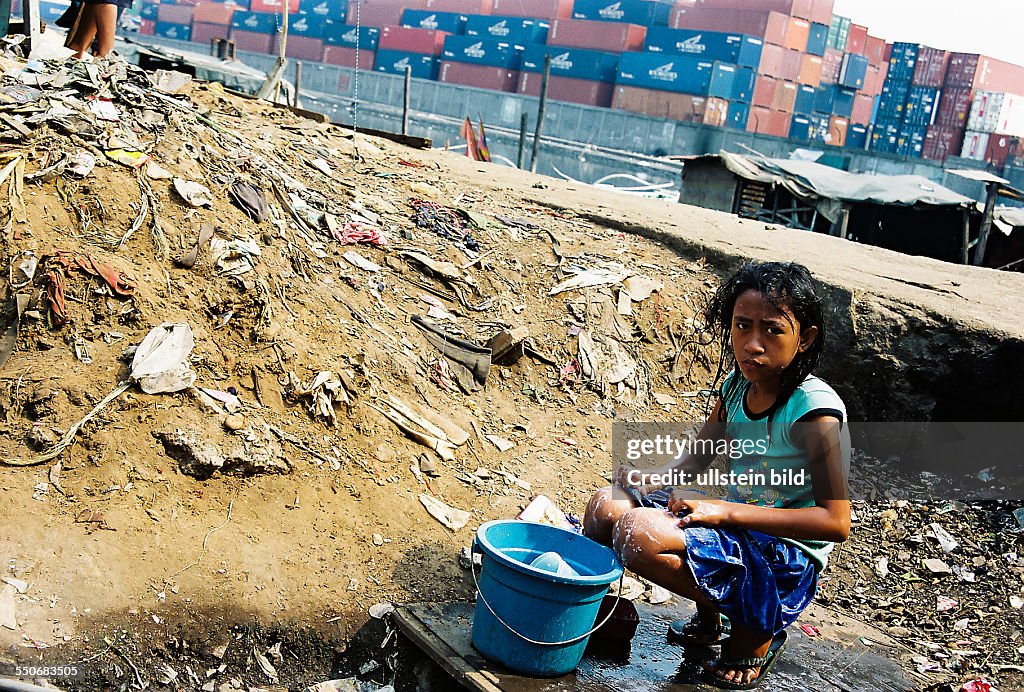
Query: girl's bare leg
(85, 33)
(106, 28)
(604, 509)
(650, 542)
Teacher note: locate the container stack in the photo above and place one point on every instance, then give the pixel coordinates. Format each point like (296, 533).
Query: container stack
(788, 68)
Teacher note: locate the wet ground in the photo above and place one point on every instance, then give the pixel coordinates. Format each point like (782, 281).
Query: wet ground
(846, 655)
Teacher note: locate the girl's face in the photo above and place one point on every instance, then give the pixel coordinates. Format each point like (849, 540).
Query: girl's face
(764, 340)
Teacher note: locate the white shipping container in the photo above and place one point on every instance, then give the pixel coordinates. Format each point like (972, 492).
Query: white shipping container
(975, 145)
(994, 111)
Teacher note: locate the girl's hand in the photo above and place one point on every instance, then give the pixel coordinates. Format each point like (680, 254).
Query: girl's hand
(702, 511)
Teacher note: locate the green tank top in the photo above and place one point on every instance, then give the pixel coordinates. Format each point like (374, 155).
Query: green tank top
(776, 473)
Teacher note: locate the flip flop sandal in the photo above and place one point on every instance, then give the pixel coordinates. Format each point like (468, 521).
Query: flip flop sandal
(765, 664)
(692, 633)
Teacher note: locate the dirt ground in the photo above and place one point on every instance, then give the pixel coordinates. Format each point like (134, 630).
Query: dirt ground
(124, 560)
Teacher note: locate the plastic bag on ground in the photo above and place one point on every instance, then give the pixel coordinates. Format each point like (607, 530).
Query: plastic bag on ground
(160, 365)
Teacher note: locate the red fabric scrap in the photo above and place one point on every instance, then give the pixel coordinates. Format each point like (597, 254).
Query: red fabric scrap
(356, 232)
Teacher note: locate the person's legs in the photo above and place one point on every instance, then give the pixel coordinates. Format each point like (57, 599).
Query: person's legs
(651, 543)
(85, 33)
(106, 28)
(604, 509)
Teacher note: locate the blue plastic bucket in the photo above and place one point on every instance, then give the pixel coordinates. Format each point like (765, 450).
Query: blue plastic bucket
(531, 620)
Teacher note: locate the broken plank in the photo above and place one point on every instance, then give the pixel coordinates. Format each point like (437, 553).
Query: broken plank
(441, 653)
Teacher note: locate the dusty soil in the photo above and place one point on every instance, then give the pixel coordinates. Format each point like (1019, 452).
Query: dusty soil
(296, 554)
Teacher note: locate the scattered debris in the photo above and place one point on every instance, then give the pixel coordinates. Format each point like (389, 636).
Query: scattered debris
(452, 518)
(160, 364)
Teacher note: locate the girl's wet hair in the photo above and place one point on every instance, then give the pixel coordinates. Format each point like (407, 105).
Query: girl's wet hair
(785, 285)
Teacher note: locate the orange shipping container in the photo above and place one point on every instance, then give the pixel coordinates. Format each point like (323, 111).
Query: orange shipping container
(769, 122)
(784, 98)
(862, 107)
(758, 114)
(832, 63)
(660, 104)
(717, 112)
(811, 67)
(797, 33)
(837, 129)
(460, 6)
(772, 58)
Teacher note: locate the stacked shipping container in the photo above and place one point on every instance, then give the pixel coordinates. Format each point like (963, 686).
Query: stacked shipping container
(779, 67)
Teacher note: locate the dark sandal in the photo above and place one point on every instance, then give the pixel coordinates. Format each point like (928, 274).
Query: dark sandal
(765, 664)
(692, 633)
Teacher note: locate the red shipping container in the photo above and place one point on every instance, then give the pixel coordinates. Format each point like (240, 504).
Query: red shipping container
(613, 37)
(792, 61)
(857, 40)
(888, 52)
(821, 11)
(461, 6)
(584, 91)
(409, 39)
(772, 58)
(346, 57)
(660, 104)
(955, 107)
(784, 98)
(729, 21)
(175, 14)
(212, 13)
(863, 105)
(479, 76)
(381, 13)
(1001, 147)
(931, 67)
(273, 6)
(776, 124)
(539, 9)
(811, 67)
(204, 32)
(832, 64)
(874, 80)
(792, 8)
(874, 50)
(764, 91)
(837, 129)
(942, 142)
(757, 114)
(252, 42)
(147, 27)
(301, 47)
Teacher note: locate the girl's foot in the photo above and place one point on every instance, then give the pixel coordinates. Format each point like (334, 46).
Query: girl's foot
(734, 672)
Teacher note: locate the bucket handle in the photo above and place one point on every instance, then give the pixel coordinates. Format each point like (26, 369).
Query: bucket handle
(475, 549)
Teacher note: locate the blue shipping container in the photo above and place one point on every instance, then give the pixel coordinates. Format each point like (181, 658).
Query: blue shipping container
(854, 71)
(182, 32)
(481, 51)
(643, 12)
(800, 128)
(825, 98)
(449, 22)
(737, 116)
(665, 72)
(308, 25)
(922, 106)
(820, 124)
(884, 137)
(709, 45)
(50, 12)
(911, 141)
(335, 10)
(806, 98)
(844, 101)
(723, 79)
(395, 62)
(817, 41)
(743, 85)
(365, 38)
(577, 63)
(148, 10)
(857, 137)
(518, 30)
(257, 22)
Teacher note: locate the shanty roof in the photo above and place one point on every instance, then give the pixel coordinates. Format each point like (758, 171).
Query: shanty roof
(811, 180)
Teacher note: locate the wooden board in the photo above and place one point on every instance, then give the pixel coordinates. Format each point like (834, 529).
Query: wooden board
(836, 661)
